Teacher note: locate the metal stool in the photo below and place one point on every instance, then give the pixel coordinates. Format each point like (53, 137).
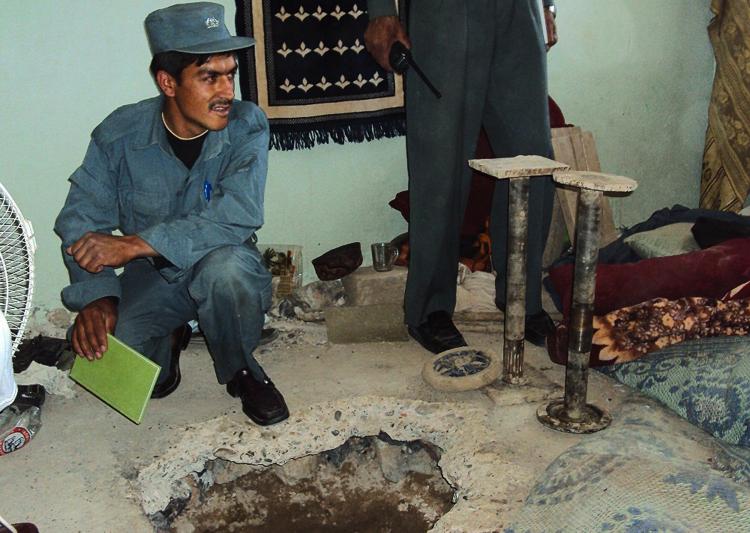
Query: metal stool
(519, 170)
(572, 414)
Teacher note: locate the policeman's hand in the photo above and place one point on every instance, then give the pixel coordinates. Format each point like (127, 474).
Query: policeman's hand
(94, 251)
(381, 33)
(549, 20)
(91, 327)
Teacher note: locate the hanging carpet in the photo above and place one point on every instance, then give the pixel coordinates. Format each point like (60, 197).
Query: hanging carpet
(311, 74)
(725, 181)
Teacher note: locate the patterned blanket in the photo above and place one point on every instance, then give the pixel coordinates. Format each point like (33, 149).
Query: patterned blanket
(311, 74)
(649, 472)
(641, 475)
(632, 332)
(706, 381)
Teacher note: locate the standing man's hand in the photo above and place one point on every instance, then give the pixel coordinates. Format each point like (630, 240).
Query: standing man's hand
(94, 251)
(380, 34)
(92, 324)
(549, 20)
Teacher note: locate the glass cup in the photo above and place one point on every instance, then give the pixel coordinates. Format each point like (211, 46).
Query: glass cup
(384, 254)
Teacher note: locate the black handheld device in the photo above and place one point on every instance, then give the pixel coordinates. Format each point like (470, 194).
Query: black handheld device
(400, 59)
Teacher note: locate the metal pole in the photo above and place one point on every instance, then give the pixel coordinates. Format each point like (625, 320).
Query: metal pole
(580, 329)
(572, 414)
(515, 288)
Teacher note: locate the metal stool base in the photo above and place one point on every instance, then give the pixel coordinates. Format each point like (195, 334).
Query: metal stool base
(515, 380)
(554, 416)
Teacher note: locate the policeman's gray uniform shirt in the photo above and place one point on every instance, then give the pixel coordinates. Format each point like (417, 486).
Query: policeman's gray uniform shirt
(131, 181)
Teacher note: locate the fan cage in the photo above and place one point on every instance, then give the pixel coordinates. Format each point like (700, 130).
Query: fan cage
(17, 248)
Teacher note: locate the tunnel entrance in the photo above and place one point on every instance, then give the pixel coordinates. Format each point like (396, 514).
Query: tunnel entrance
(368, 485)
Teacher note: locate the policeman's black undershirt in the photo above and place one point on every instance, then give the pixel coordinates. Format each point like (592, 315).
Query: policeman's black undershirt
(186, 150)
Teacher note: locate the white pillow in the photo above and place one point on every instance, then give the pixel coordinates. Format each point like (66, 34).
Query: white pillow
(672, 239)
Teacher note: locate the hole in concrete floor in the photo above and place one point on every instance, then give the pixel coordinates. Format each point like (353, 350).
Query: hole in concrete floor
(366, 485)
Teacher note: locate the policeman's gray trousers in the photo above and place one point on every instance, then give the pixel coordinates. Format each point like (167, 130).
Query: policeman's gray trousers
(488, 59)
(228, 292)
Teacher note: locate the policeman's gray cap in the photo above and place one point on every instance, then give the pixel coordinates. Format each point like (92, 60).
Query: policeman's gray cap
(196, 28)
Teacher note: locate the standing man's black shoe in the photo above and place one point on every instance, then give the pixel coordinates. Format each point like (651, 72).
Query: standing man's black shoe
(538, 326)
(438, 333)
(180, 340)
(261, 400)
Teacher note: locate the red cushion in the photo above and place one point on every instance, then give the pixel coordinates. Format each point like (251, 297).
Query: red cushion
(710, 272)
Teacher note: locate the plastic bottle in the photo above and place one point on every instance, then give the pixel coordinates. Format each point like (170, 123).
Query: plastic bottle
(18, 425)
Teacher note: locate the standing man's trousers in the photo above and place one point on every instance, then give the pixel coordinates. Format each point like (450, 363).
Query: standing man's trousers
(488, 58)
(228, 292)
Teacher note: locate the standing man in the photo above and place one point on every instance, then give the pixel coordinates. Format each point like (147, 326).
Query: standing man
(182, 177)
(488, 58)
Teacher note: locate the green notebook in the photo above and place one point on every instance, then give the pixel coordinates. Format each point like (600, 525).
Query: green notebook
(122, 378)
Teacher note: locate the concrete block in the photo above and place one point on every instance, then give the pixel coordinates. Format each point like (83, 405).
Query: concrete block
(366, 323)
(365, 286)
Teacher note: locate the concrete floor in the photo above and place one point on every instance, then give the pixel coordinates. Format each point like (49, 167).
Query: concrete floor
(81, 471)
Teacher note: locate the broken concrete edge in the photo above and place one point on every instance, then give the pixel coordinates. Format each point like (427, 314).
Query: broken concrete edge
(471, 462)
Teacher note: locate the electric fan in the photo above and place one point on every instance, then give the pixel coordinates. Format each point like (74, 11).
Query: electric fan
(17, 247)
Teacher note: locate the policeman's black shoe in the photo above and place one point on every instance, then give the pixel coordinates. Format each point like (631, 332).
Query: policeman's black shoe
(438, 333)
(180, 340)
(538, 327)
(261, 400)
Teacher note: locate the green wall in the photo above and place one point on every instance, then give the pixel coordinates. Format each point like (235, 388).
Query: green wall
(636, 73)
